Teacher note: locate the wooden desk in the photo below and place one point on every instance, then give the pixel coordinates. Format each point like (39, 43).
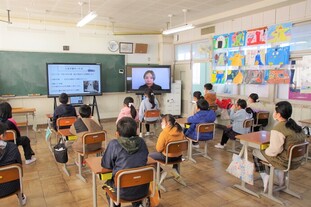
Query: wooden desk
(94, 164)
(182, 121)
(254, 140)
(21, 111)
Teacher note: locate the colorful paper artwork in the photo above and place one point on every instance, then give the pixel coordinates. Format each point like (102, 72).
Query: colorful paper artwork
(237, 39)
(256, 36)
(220, 59)
(279, 33)
(278, 56)
(253, 76)
(277, 76)
(220, 41)
(234, 76)
(255, 57)
(236, 58)
(305, 79)
(218, 76)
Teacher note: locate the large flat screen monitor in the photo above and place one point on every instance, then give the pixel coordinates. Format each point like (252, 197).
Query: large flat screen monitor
(75, 79)
(138, 78)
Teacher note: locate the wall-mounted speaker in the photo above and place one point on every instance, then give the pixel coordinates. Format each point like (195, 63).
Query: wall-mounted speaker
(66, 48)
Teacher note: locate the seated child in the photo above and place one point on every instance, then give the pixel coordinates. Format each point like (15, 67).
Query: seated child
(127, 151)
(238, 115)
(209, 94)
(196, 96)
(64, 109)
(128, 109)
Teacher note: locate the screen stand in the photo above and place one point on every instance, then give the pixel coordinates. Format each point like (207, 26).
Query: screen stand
(55, 104)
(95, 105)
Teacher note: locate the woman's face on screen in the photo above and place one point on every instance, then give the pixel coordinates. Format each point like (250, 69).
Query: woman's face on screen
(149, 79)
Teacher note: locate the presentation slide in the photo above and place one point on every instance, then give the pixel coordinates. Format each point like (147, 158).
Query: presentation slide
(74, 79)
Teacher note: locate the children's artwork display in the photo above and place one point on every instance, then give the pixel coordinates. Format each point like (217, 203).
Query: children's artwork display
(256, 36)
(253, 76)
(220, 41)
(280, 76)
(234, 76)
(278, 56)
(236, 58)
(218, 76)
(237, 39)
(255, 57)
(279, 33)
(220, 59)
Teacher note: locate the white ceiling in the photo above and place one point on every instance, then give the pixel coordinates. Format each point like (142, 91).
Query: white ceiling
(134, 15)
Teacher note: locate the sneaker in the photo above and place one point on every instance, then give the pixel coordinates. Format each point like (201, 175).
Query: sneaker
(196, 146)
(163, 176)
(219, 146)
(140, 134)
(147, 133)
(280, 176)
(24, 199)
(32, 160)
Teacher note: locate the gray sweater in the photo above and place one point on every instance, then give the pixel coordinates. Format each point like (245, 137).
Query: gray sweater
(237, 119)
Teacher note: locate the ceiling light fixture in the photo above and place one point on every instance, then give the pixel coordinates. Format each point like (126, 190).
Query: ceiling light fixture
(89, 17)
(178, 29)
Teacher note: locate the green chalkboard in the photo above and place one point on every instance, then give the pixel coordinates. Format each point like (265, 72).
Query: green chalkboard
(23, 73)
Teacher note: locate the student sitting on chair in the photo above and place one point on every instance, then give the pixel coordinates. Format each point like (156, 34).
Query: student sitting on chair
(196, 96)
(255, 105)
(64, 109)
(127, 151)
(172, 131)
(82, 125)
(128, 109)
(203, 115)
(9, 154)
(6, 118)
(238, 115)
(284, 134)
(209, 94)
(149, 103)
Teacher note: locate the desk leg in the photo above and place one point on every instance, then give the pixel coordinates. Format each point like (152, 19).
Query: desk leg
(94, 190)
(27, 132)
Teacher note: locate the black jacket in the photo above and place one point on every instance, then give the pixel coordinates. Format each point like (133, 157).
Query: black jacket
(63, 110)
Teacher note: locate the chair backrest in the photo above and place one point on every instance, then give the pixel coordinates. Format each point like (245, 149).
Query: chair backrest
(92, 138)
(176, 147)
(262, 115)
(205, 128)
(65, 122)
(248, 123)
(296, 151)
(9, 135)
(152, 113)
(213, 107)
(134, 177)
(10, 173)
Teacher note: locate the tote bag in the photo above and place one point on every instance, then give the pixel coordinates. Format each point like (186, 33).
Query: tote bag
(60, 152)
(242, 169)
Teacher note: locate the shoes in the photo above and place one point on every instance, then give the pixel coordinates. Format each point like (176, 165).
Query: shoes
(24, 199)
(163, 176)
(33, 159)
(196, 145)
(265, 180)
(219, 146)
(140, 134)
(147, 133)
(280, 176)
(175, 174)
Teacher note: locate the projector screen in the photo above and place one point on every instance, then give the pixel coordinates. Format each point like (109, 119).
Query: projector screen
(75, 79)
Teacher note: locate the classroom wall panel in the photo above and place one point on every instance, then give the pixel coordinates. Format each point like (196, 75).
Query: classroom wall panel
(237, 24)
(246, 22)
(282, 14)
(269, 17)
(257, 20)
(308, 8)
(297, 11)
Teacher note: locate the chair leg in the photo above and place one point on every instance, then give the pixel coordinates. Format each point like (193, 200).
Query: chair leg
(205, 151)
(287, 190)
(233, 148)
(190, 152)
(20, 198)
(111, 202)
(79, 175)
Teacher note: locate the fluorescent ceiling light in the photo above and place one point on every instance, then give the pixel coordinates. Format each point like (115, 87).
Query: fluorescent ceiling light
(178, 29)
(92, 15)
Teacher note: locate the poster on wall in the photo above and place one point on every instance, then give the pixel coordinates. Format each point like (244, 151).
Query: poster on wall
(218, 76)
(220, 59)
(281, 76)
(255, 57)
(253, 76)
(236, 58)
(279, 33)
(237, 39)
(295, 87)
(305, 77)
(234, 76)
(256, 36)
(278, 56)
(220, 41)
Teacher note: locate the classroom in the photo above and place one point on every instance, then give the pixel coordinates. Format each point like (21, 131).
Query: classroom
(129, 36)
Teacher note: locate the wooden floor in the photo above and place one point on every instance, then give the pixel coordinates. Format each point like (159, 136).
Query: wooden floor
(45, 184)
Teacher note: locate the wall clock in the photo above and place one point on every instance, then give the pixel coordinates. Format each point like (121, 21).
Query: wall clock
(113, 46)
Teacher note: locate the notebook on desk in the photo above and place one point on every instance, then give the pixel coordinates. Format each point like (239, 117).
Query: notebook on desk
(76, 100)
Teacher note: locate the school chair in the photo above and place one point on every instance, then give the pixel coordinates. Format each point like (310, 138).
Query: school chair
(294, 153)
(213, 107)
(261, 120)
(10, 135)
(172, 147)
(10, 173)
(129, 178)
(150, 114)
(201, 128)
(90, 138)
(247, 124)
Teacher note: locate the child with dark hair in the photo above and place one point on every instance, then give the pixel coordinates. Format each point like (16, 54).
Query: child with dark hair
(149, 103)
(238, 115)
(209, 94)
(64, 109)
(85, 123)
(196, 96)
(203, 115)
(254, 106)
(6, 118)
(128, 109)
(127, 151)
(9, 154)
(283, 135)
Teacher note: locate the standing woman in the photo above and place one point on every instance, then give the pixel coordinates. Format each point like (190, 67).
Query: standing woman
(149, 103)
(6, 118)
(284, 134)
(128, 109)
